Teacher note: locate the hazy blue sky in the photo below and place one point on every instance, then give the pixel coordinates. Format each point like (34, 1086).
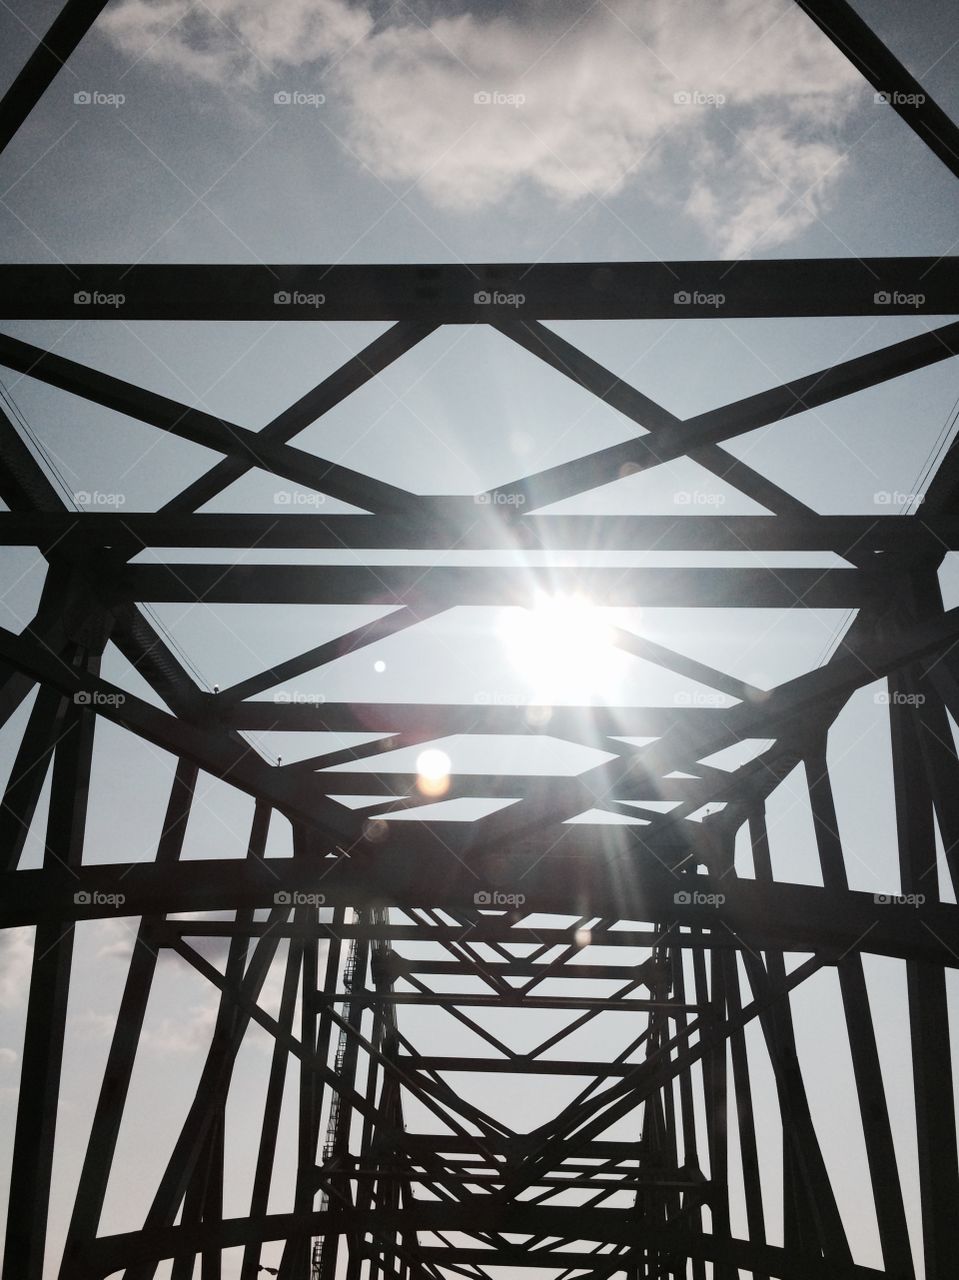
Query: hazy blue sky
(612, 131)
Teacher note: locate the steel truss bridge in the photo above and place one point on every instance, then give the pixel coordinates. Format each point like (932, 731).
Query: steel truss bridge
(376, 1194)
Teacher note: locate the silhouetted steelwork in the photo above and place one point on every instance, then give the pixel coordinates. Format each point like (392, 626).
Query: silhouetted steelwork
(418, 917)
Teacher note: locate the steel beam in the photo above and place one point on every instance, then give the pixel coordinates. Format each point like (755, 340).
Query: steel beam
(902, 91)
(620, 884)
(447, 530)
(54, 48)
(453, 293)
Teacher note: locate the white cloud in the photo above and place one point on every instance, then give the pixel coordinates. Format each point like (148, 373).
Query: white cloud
(93, 1025)
(16, 959)
(234, 41)
(187, 1034)
(117, 938)
(776, 186)
(597, 81)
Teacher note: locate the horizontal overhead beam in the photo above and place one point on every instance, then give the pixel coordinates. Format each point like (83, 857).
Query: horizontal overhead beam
(386, 785)
(436, 526)
(486, 928)
(524, 1065)
(513, 1000)
(462, 585)
(460, 293)
(310, 715)
(581, 875)
(102, 1256)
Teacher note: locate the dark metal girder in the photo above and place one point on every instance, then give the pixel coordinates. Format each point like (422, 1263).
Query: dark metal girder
(511, 786)
(599, 870)
(439, 718)
(907, 97)
(870, 1086)
(523, 1065)
(101, 1146)
(823, 690)
(932, 1068)
(485, 928)
(517, 1000)
(223, 756)
(668, 437)
(474, 585)
(46, 1017)
(569, 1221)
(446, 293)
(357, 371)
(68, 29)
(444, 530)
(246, 449)
(791, 916)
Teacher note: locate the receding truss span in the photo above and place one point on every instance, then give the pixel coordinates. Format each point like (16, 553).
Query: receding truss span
(399, 1171)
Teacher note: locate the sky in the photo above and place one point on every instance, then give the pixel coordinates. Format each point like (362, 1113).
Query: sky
(330, 131)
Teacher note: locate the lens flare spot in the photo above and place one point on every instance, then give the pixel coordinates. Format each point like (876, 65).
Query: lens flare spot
(433, 772)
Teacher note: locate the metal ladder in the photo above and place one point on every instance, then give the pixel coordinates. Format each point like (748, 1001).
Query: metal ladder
(333, 1119)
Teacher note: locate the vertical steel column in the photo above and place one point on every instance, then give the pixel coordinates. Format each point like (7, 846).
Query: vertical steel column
(928, 1004)
(266, 1152)
(811, 1217)
(101, 1146)
(28, 1205)
(874, 1111)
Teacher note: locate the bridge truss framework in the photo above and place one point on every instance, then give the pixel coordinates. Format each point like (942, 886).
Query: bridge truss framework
(404, 919)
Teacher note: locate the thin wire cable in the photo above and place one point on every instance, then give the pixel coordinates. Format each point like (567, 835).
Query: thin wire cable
(48, 465)
(940, 448)
(42, 455)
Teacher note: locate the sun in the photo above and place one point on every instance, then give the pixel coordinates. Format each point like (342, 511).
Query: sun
(560, 643)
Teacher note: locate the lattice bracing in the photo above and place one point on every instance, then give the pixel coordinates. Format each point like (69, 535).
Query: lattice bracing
(556, 1034)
